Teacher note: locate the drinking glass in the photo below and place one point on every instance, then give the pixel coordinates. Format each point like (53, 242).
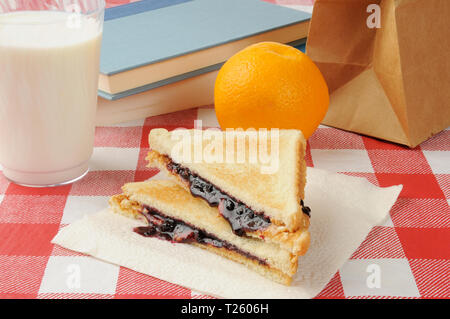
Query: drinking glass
(49, 68)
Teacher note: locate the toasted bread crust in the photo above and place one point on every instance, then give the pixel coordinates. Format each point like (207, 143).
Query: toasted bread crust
(121, 204)
(296, 242)
(264, 270)
(245, 180)
(173, 201)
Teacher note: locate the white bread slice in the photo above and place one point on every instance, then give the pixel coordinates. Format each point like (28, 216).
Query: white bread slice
(173, 201)
(296, 242)
(277, 194)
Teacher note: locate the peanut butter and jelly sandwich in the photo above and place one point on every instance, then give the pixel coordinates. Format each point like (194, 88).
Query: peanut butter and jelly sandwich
(237, 209)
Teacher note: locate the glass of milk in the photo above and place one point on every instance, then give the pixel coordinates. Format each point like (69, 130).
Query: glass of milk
(49, 67)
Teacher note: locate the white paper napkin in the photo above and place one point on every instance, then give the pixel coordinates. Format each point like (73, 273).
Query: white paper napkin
(344, 209)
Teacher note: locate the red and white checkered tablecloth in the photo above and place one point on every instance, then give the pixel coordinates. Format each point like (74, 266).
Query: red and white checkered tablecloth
(411, 250)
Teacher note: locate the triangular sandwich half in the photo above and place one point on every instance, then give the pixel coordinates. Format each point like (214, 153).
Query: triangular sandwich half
(172, 214)
(255, 201)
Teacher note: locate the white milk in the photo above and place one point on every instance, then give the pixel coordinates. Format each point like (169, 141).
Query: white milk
(48, 92)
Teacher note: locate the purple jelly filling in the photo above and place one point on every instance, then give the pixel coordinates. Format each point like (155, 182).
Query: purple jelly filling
(241, 218)
(174, 230)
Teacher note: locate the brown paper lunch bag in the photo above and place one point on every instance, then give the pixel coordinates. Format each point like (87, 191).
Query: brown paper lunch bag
(387, 65)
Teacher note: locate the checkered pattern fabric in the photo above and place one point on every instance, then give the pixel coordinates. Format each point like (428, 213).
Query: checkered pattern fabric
(410, 251)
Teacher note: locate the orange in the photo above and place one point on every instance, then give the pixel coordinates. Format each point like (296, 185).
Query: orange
(270, 85)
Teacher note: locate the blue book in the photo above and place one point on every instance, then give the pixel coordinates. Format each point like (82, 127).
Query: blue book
(152, 43)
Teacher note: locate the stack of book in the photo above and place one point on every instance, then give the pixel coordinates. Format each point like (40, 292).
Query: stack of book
(161, 56)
